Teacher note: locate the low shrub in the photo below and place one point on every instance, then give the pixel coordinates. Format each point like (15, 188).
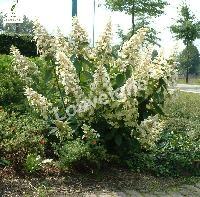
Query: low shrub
(92, 94)
(179, 146)
(24, 42)
(33, 163)
(20, 135)
(81, 156)
(178, 150)
(11, 87)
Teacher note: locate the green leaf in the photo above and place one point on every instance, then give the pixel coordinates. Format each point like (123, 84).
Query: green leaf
(85, 77)
(4, 162)
(48, 76)
(158, 109)
(120, 79)
(118, 139)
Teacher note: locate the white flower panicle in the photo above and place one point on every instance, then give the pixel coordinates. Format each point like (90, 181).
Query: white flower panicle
(101, 83)
(147, 69)
(39, 102)
(131, 47)
(62, 44)
(68, 76)
(103, 45)
(129, 89)
(149, 131)
(45, 43)
(78, 36)
(23, 66)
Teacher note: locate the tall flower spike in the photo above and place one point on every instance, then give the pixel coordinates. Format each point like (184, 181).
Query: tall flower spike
(149, 131)
(78, 36)
(131, 47)
(23, 66)
(62, 44)
(45, 43)
(103, 45)
(38, 101)
(68, 76)
(101, 82)
(129, 89)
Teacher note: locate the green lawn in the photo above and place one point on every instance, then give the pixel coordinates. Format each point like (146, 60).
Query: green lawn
(192, 81)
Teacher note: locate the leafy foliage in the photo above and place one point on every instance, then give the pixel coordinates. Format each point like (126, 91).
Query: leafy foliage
(11, 87)
(80, 155)
(188, 30)
(115, 101)
(24, 42)
(141, 22)
(178, 150)
(19, 136)
(186, 27)
(190, 58)
(139, 7)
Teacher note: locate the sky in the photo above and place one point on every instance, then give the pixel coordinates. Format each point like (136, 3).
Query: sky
(54, 14)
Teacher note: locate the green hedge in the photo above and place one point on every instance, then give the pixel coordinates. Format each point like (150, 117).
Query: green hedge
(24, 43)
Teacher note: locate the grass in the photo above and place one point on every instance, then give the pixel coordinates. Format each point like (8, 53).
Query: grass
(185, 106)
(192, 81)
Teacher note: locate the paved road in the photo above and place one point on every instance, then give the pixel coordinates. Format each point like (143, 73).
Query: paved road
(182, 191)
(189, 88)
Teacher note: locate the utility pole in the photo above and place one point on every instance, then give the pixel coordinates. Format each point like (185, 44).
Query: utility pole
(74, 8)
(94, 11)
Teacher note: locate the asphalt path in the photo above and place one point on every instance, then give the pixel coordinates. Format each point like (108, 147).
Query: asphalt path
(188, 88)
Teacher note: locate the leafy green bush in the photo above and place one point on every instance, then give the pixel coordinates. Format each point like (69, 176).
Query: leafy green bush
(34, 162)
(179, 145)
(81, 155)
(178, 150)
(92, 94)
(19, 136)
(11, 87)
(24, 42)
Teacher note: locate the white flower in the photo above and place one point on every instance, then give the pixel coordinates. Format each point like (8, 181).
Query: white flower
(38, 101)
(103, 45)
(101, 83)
(130, 48)
(78, 37)
(45, 42)
(23, 66)
(129, 89)
(47, 161)
(68, 76)
(149, 131)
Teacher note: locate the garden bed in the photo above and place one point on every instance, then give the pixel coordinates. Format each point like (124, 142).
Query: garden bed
(76, 184)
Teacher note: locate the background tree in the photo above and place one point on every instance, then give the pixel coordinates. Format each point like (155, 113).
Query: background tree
(189, 58)
(186, 28)
(142, 21)
(137, 8)
(1, 21)
(22, 28)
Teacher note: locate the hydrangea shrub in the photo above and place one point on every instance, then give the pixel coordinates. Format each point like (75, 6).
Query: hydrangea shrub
(98, 97)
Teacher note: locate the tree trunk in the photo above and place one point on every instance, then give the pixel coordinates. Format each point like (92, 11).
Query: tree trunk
(17, 28)
(133, 18)
(188, 60)
(187, 75)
